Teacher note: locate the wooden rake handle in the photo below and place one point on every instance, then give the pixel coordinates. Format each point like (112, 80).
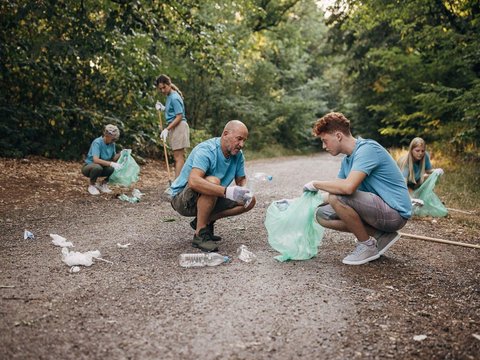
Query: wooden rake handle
(164, 147)
(426, 238)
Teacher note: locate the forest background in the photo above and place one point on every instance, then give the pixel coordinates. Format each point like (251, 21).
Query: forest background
(397, 69)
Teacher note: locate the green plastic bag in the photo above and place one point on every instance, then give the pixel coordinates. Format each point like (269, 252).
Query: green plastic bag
(432, 205)
(129, 171)
(291, 227)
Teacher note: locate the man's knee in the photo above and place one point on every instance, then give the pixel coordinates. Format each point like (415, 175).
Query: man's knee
(324, 214)
(321, 214)
(335, 200)
(213, 179)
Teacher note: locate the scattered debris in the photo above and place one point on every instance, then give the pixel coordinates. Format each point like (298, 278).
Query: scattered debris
(72, 258)
(60, 241)
(104, 260)
(125, 246)
(245, 255)
(419, 337)
(31, 322)
(28, 235)
(135, 198)
(74, 269)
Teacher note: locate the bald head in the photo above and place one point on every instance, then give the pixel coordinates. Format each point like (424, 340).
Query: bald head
(235, 125)
(234, 136)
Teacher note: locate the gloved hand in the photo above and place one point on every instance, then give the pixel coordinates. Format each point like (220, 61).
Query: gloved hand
(247, 199)
(439, 171)
(159, 106)
(164, 135)
(115, 165)
(309, 187)
(417, 202)
(237, 193)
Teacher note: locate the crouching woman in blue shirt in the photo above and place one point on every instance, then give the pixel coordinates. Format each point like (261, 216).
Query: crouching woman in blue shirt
(100, 161)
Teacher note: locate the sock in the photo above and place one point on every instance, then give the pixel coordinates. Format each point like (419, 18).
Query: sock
(369, 242)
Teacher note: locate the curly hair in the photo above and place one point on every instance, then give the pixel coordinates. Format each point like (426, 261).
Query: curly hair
(334, 121)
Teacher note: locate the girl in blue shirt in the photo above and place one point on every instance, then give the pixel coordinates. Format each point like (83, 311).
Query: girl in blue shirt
(177, 130)
(416, 165)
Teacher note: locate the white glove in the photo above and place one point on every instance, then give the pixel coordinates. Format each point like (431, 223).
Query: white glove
(237, 193)
(417, 202)
(164, 135)
(159, 106)
(115, 165)
(309, 187)
(439, 171)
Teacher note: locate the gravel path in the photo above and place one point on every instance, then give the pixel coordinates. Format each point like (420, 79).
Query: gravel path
(145, 306)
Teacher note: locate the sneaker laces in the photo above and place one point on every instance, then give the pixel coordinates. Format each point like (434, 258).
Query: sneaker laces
(359, 249)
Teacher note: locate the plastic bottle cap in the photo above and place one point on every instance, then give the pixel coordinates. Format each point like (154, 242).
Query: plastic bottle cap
(269, 177)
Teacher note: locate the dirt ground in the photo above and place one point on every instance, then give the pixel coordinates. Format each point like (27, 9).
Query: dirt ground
(143, 305)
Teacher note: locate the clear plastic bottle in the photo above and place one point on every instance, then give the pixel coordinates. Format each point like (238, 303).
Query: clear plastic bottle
(202, 259)
(256, 179)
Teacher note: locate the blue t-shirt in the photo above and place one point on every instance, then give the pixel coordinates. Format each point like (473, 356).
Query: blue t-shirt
(208, 157)
(383, 175)
(101, 150)
(173, 106)
(416, 168)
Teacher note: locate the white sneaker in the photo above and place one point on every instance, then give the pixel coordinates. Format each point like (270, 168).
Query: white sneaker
(92, 189)
(362, 254)
(104, 188)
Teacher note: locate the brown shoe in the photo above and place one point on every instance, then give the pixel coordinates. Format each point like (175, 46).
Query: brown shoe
(204, 241)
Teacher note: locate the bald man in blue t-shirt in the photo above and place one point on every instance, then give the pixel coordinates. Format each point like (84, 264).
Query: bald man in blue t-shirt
(202, 188)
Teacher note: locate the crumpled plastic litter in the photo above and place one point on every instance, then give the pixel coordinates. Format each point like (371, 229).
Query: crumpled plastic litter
(124, 246)
(28, 235)
(60, 241)
(135, 198)
(72, 258)
(419, 337)
(137, 193)
(245, 255)
(74, 269)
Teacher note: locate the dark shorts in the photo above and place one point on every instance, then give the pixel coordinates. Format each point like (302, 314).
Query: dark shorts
(370, 207)
(185, 203)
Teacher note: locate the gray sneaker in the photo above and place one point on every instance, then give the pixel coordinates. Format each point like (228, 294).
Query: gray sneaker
(385, 240)
(362, 254)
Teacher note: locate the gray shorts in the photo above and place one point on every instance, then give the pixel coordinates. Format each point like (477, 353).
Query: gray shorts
(179, 136)
(371, 209)
(185, 203)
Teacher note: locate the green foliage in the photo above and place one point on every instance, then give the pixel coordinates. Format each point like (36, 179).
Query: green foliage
(413, 69)
(397, 69)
